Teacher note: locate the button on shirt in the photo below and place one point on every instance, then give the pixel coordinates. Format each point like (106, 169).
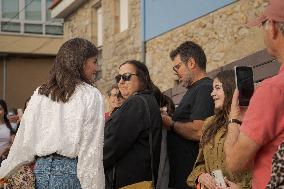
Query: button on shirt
(264, 124)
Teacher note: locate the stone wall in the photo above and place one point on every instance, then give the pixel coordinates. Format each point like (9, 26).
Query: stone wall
(222, 34)
(117, 46)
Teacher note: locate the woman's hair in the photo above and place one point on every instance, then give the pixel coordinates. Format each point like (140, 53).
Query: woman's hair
(6, 120)
(221, 118)
(142, 73)
(68, 69)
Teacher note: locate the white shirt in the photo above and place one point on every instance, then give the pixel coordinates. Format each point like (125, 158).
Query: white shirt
(71, 129)
(5, 137)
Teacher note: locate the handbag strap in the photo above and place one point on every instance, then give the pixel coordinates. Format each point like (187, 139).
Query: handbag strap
(150, 139)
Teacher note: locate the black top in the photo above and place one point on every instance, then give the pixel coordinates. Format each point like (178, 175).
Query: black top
(126, 144)
(196, 104)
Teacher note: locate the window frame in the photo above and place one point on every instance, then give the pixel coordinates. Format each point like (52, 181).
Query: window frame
(22, 21)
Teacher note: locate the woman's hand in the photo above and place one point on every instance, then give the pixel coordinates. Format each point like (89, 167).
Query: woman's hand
(230, 184)
(207, 180)
(236, 112)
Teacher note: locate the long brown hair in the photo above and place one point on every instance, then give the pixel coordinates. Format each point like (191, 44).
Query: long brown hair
(68, 69)
(221, 117)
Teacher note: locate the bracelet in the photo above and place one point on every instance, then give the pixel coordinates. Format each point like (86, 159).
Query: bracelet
(235, 121)
(172, 126)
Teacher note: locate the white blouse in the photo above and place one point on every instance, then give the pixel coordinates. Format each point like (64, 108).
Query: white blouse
(72, 129)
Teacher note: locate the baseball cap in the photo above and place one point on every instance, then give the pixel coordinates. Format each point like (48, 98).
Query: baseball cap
(274, 11)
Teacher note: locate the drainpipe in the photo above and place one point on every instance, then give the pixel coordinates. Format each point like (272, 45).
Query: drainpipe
(143, 43)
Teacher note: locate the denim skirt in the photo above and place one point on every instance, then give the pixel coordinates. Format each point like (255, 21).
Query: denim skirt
(56, 172)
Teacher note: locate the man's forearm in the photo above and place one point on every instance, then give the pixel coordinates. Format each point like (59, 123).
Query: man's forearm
(189, 130)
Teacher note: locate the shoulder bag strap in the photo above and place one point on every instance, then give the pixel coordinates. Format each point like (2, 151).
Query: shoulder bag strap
(150, 139)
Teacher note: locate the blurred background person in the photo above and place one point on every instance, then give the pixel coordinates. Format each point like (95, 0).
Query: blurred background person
(211, 155)
(62, 126)
(127, 148)
(114, 100)
(6, 131)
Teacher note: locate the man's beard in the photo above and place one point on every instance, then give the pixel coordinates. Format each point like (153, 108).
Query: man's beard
(187, 82)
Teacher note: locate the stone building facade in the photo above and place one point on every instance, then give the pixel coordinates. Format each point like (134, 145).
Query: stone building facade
(222, 34)
(117, 46)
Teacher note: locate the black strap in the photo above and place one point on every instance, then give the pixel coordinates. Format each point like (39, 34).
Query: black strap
(150, 140)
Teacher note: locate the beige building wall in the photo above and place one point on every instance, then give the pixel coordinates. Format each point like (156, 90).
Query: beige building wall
(117, 46)
(29, 44)
(222, 34)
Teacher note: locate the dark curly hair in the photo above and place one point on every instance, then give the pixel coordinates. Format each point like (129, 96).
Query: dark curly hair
(6, 120)
(188, 50)
(67, 70)
(221, 118)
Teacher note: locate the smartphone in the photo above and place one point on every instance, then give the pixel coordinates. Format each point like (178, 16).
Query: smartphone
(244, 83)
(219, 178)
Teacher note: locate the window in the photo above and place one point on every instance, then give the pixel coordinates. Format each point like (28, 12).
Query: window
(120, 15)
(123, 14)
(99, 26)
(29, 16)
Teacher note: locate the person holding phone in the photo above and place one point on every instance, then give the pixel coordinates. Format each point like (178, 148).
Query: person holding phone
(62, 128)
(252, 142)
(211, 157)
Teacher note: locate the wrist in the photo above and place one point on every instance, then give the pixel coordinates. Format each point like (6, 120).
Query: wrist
(235, 121)
(172, 126)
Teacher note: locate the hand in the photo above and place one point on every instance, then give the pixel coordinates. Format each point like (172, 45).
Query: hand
(230, 184)
(207, 180)
(236, 112)
(163, 111)
(167, 120)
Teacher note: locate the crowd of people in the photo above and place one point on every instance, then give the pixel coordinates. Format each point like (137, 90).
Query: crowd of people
(144, 141)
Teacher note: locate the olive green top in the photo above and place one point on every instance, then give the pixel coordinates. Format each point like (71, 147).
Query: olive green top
(212, 157)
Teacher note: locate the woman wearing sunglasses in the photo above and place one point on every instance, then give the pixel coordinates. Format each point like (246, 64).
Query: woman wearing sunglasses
(211, 155)
(127, 158)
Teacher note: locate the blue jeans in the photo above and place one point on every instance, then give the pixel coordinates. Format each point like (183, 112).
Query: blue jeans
(53, 172)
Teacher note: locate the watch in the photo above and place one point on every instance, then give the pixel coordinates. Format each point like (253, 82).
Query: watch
(235, 121)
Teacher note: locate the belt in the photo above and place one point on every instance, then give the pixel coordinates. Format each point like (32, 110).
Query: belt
(53, 155)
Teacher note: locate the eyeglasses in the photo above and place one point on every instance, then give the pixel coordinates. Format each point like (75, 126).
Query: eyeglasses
(263, 23)
(176, 67)
(124, 77)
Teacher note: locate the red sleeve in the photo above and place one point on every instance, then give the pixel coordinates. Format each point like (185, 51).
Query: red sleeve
(262, 119)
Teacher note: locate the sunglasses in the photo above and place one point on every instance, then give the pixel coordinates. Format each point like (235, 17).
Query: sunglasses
(124, 77)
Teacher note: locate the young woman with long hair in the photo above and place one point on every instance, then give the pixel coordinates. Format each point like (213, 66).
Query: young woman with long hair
(62, 126)
(211, 155)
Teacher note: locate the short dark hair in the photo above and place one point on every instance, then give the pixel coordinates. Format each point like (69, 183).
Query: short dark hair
(188, 50)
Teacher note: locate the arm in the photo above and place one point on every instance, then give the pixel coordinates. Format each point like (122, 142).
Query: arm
(123, 129)
(258, 129)
(188, 130)
(201, 108)
(240, 150)
(198, 169)
(90, 169)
